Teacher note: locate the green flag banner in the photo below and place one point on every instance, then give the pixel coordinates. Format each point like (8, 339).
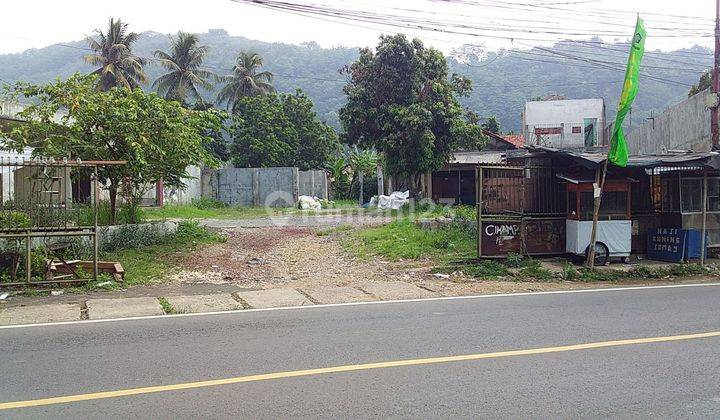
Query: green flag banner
(618, 147)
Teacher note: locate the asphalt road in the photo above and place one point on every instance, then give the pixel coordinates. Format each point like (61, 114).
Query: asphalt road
(642, 380)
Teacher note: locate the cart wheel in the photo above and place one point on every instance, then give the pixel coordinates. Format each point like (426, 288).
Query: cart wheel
(602, 253)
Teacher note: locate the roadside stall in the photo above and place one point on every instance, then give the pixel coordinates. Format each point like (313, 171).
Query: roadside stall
(614, 230)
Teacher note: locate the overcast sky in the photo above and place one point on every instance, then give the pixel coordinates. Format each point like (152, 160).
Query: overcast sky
(28, 24)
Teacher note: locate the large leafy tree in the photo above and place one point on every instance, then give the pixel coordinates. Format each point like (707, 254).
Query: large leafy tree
(185, 77)
(402, 102)
(246, 80)
(280, 130)
(119, 67)
(159, 139)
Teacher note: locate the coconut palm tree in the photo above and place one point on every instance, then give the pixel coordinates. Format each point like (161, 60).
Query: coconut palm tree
(113, 53)
(184, 62)
(245, 80)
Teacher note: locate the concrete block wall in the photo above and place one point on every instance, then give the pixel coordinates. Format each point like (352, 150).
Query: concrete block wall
(275, 187)
(683, 126)
(313, 183)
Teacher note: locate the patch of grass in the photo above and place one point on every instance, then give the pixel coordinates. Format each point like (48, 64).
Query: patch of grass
(335, 230)
(599, 275)
(146, 264)
(684, 270)
(206, 212)
(486, 270)
(534, 270)
(402, 239)
(167, 307)
(645, 272)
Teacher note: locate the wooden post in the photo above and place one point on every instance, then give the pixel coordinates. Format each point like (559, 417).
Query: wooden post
(95, 224)
(599, 177)
(361, 181)
(479, 187)
(704, 218)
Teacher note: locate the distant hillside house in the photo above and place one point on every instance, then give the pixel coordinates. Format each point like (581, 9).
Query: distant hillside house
(455, 182)
(564, 123)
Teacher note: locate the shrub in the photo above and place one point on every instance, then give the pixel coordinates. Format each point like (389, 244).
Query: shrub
(514, 260)
(83, 214)
(14, 220)
(569, 272)
(134, 236)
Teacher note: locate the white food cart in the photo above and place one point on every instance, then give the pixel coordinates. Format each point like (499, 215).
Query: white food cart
(614, 230)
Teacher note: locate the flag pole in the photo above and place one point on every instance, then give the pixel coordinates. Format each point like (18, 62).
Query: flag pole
(617, 147)
(597, 194)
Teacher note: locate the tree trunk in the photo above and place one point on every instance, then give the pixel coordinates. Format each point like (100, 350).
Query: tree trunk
(113, 190)
(361, 180)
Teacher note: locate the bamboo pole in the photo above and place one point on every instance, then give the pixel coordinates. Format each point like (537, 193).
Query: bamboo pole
(704, 218)
(599, 179)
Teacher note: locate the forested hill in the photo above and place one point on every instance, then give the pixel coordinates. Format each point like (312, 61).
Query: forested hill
(502, 81)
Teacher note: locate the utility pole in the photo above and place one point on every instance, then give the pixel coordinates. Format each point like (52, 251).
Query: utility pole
(715, 112)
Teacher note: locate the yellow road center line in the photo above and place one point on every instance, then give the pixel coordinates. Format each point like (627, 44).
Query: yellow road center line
(346, 368)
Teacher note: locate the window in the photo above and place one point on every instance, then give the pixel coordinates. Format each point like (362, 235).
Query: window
(572, 203)
(613, 205)
(713, 194)
(591, 135)
(691, 195)
(577, 130)
(670, 194)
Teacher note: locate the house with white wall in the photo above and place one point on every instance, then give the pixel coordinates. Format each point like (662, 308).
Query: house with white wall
(564, 123)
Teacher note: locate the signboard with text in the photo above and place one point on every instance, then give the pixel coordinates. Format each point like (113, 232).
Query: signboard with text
(673, 245)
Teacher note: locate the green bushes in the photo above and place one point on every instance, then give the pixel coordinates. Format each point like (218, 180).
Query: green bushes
(83, 215)
(14, 220)
(148, 234)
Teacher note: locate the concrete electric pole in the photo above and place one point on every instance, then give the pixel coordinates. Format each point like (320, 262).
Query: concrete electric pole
(715, 112)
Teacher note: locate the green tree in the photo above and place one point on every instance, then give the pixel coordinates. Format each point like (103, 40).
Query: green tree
(280, 130)
(492, 125)
(245, 80)
(402, 102)
(157, 138)
(338, 168)
(185, 75)
(704, 83)
(119, 67)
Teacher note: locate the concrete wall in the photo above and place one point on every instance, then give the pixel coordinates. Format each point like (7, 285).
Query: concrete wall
(258, 187)
(234, 186)
(277, 187)
(313, 183)
(564, 114)
(192, 191)
(683, 126)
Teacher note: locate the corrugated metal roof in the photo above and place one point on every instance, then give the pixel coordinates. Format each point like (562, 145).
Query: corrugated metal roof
(592, 158)
(472, 158)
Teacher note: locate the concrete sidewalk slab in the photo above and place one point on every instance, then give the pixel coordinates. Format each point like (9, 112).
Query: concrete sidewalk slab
(203, 303)
(396, 290)
(338, 295)
(38, 314)
(123, 308)
(274, 298)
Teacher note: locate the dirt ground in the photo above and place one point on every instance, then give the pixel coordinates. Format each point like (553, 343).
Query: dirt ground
(296, 257)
